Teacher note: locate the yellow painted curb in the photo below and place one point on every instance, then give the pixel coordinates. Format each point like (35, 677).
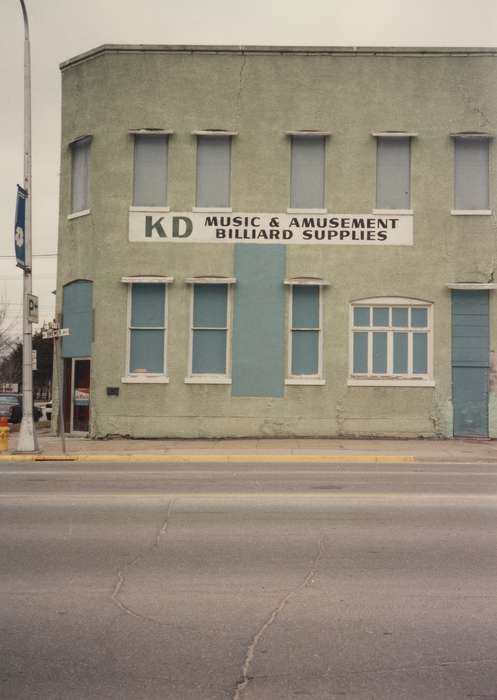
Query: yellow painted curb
(227, 458)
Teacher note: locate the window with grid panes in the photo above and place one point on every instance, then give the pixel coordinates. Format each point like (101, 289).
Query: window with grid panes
(210, 327)
(147, 329)
(391, 340)
(305, 331)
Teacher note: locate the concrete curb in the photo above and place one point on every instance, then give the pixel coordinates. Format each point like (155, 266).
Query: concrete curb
(227, 458)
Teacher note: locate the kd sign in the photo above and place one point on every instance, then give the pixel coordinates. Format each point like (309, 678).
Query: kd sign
(32, 303)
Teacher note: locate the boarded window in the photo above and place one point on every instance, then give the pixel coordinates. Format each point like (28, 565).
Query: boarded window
(80, 175)
(307, 174)
(213, 171)
(393, 166)
(150, 171)
(471, 173)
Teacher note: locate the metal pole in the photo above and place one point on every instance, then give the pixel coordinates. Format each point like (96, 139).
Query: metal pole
(27, 441)
(57, 342)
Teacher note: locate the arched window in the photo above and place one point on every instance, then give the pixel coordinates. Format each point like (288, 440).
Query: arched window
(391, 342)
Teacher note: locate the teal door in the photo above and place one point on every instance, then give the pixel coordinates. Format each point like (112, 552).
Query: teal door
(470, 361)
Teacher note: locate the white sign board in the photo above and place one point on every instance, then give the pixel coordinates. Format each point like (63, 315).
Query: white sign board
(301, 229)
(32, 303)
(56, 333)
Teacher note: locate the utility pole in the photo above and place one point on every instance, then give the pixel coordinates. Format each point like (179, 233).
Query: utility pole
(27, 441)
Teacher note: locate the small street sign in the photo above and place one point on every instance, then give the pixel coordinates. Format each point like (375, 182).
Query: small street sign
(56, 332)
(32, 301)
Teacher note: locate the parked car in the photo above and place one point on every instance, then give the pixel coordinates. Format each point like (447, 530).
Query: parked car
(11, 407)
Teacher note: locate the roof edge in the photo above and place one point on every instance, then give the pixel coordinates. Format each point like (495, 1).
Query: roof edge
(255, 49)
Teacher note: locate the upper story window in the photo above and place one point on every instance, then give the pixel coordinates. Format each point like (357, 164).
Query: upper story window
(147, 326)
(150, 169)
(393, 170)
(471, 173)
(391, 341)
(213, 169)
(210, 339)
(80, 175)
(307, 176)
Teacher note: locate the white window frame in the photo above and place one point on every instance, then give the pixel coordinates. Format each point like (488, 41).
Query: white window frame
(391, 379)
(225, 378)
(409, 135)
(87, 138)
(146, 377)
(305, 379)
(476, 135)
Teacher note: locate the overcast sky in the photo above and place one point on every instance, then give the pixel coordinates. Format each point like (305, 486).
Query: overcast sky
(64, 28)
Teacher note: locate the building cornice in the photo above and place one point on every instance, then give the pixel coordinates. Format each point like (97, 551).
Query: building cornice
(414, 51)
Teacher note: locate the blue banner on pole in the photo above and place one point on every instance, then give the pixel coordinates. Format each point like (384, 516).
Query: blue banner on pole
(20, 228)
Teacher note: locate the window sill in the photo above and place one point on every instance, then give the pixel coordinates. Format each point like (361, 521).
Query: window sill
(471, 212)
(145, 379)
(290, 210)
(144, 210)
(211, 210)
(392, 382)
(399, 212)
(208, 379)
(305, 381)
(77, 214)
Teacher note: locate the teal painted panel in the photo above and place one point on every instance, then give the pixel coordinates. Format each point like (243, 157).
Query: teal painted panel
(360, 353)
(305, 352)
(400, 353)
(305, 307)
(210, 305)
(146, 351)
(209, 352)
(379, 353)
(419, 353)
(77, 316)
(470, 360)
(147, 305)
(259, 357)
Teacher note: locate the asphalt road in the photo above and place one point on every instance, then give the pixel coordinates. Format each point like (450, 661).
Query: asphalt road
(248, 582)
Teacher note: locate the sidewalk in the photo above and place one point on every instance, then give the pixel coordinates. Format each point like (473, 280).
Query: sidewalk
(264, 450)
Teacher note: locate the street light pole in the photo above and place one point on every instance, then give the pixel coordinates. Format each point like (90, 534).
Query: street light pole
(27, 441)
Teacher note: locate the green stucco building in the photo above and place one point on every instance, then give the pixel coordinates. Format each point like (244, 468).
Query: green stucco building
(273, 241)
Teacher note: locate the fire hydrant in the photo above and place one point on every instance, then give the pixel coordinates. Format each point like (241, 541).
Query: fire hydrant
(4, 434)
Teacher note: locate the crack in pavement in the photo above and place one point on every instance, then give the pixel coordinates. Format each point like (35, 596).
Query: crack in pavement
(121, 574)
(245, 678)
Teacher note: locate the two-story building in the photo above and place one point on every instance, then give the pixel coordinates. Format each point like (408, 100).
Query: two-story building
(273, 241)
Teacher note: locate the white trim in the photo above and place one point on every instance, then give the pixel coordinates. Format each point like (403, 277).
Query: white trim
(421, 383)
(311, 281)
(390, 301)
(150, 132)
(306, 211)
(397, 212)
(147, 280)
(207, 379)
(210, 280)
(471, 135)
(308, 133)
(214, 132)
(394, 134)
(471, 212)
(155, 210)
(77, 214)
(302, 381)
(471, 285)
(145, 379)
(211, 210)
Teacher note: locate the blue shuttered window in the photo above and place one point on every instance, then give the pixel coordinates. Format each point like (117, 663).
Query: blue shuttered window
(210, 329)
(147, 329)
(305, 331)
(391, 340)
(150, 171)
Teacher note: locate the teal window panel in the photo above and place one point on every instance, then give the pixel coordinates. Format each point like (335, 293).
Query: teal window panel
(419, 317)
(305, 352)
(381, 316)
(147, 351)
(361, 315)
(150, 171)
(209, 352)
(147, 305)
(400, 317)
(77, 315)
(400, 358)
(360, 353)
(420, 353)
(305, 306)
(380, 353)
(210, 305)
